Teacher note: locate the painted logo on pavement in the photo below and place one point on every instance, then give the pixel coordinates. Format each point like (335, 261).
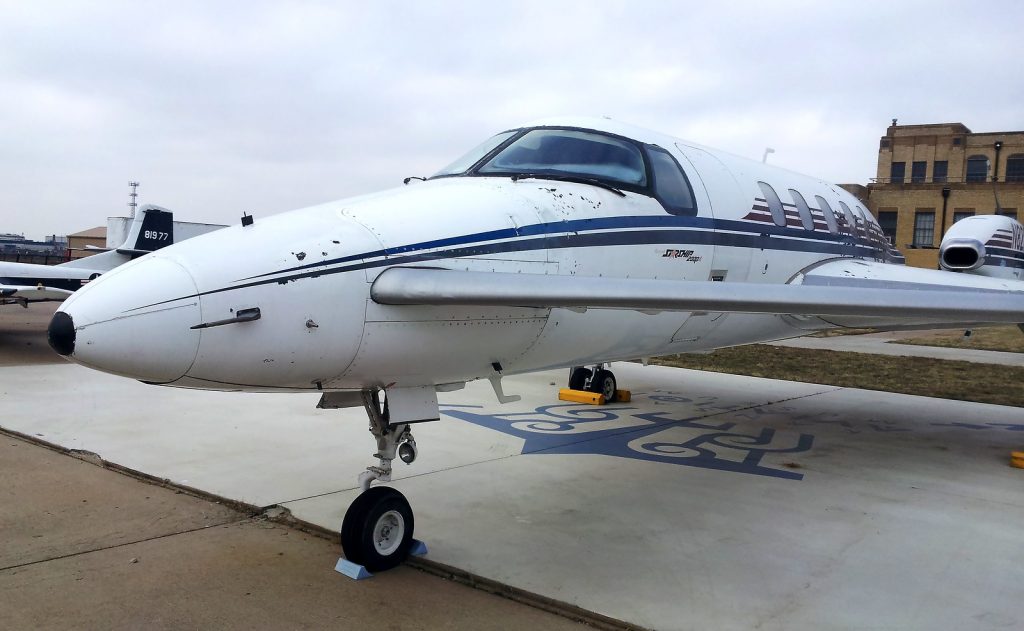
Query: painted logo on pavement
(687, 434)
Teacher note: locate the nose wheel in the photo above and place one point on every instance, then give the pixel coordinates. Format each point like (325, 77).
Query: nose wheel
(377, 530)
(378, 526)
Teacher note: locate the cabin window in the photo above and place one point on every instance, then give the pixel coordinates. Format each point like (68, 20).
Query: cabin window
(924, 228)
(671, 187)
(830, 215)
(569, 152)
(803, 209)
(887, 220)
(917, 172)
(977, 168)
(464, 163)
(848, 216)
(897, 170)
(774, 204)
(940, 170)
(863, 217)
(1015, 168)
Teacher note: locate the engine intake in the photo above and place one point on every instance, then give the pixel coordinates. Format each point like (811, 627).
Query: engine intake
(962, 254)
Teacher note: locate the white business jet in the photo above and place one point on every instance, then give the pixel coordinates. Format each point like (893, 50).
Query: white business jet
(22, 283)
(564, 243)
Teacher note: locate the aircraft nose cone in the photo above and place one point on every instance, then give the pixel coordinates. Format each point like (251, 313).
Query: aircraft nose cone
(133, 321)
(61, 333)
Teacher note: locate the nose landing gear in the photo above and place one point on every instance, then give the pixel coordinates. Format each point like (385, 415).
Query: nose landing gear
(378, 526)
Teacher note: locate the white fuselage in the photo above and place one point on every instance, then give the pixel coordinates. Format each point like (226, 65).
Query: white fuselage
(309, 272)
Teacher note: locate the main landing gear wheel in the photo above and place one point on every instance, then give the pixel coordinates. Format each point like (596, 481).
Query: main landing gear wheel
(578, 378)
(377, 531)
(604, 383)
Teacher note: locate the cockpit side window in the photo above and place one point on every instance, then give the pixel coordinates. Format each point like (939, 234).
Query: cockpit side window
(671, 187)
(570, 152)
(464, 163)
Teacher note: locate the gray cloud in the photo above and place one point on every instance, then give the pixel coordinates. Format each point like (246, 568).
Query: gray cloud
(223, 107)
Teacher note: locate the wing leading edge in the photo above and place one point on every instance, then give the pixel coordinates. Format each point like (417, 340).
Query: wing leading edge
(826, 291)
(34, 293)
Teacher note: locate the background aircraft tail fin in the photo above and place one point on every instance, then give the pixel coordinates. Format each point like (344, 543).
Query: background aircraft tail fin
(152, 229)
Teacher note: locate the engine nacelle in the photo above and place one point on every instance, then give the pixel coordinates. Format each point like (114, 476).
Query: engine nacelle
(988, 245)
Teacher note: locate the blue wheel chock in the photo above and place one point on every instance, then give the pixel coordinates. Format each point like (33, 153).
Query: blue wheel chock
(357, 572)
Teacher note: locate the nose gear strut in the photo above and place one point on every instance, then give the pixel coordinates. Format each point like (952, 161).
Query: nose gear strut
(391, 440)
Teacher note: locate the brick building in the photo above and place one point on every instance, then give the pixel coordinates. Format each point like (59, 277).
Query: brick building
(930, 176)
(80, 241)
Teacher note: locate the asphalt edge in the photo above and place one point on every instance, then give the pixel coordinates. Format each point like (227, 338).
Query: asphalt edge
(281, 515)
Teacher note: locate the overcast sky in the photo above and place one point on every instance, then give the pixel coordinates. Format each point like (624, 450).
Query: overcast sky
(219, 107)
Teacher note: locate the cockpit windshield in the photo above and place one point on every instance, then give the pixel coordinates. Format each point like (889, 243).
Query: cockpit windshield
(554, 152)
(462, 164)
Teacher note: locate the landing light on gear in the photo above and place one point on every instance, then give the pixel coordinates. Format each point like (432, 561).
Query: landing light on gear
(407, 451)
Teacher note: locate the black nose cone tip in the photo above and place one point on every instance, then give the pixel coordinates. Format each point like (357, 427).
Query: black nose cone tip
(61, 333)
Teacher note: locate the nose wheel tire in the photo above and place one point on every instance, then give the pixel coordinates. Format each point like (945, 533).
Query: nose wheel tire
(604, 383)
(377, 530)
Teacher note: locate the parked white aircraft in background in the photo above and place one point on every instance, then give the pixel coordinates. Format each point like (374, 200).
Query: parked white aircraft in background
(569, 242)
(22, 283)
(990, 245)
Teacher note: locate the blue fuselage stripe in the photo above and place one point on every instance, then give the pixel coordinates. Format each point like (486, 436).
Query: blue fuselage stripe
(828, 241)
(582, 233)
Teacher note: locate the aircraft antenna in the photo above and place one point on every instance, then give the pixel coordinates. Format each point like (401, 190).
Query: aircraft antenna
(133, 198)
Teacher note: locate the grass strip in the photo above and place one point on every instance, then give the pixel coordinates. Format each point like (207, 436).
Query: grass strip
(1008, 339)
(965, 381)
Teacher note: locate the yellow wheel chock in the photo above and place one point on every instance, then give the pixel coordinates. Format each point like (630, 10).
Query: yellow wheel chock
(591, 398)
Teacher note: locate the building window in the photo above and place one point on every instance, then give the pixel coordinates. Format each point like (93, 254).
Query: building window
(917, 171)
(940, 170)
(961, 213)
(887, 221)
(897, 171)
(830, 215)
(774, 204)
(1015, 168)
(801, 207)
(1007, 212)
(977, 168)
(924, 228)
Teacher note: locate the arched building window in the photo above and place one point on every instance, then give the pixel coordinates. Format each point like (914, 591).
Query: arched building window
(977, 168)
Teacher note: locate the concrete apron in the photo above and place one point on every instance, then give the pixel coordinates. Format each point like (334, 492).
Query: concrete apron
(709, 501)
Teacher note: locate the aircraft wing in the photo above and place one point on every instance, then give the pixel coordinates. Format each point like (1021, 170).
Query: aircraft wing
(842, 292)
(32, 293)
